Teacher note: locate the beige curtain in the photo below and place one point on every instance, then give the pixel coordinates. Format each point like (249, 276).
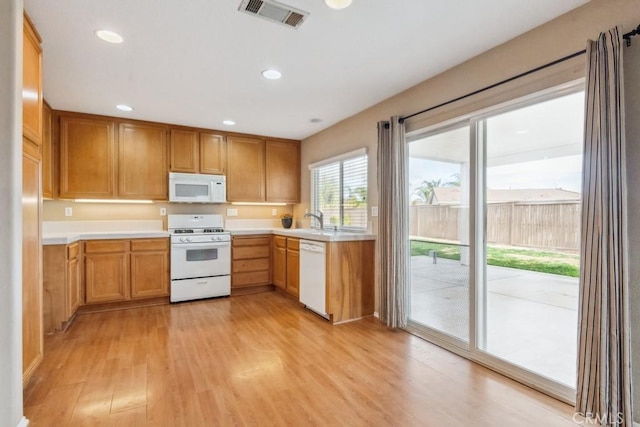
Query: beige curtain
(393, 230)
(604, 386)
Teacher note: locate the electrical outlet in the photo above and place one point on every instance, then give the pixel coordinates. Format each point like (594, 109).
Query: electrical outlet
(68, 211)
(374, 211)
(163, 211)
(274, 212)
(232, 212)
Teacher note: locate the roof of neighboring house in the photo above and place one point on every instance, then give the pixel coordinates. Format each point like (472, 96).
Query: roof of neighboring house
(451, 195)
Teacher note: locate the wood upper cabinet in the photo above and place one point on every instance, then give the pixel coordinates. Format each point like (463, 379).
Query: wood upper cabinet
(31, 84)
(184, 151)
(48, 156)
(142, 162)
(283, 171)
(213, 158)
(197, 152)
(87, 158)
(245, 169)
(106, 268)
(149, 268)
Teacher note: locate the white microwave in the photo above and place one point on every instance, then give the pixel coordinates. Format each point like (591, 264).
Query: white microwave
(197, 188)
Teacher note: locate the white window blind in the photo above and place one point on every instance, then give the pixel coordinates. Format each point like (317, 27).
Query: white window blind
(339, 191)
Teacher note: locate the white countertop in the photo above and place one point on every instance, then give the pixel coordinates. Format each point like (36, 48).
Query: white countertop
(65, 232)
(65, 238)
(306, 233)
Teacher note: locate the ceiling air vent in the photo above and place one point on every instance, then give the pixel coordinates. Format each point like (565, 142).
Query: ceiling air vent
(274, 12)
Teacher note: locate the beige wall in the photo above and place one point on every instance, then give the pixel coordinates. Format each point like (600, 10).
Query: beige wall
(560, 37)
(53, 210)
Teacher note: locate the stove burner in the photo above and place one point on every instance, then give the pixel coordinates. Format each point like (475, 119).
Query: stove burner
(182, 231)
(213, 230)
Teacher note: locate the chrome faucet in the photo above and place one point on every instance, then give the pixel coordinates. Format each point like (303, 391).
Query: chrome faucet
(319, 216)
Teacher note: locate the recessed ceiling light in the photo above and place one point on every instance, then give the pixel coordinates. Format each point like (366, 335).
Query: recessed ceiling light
(123, 107)
(316, 120)
(271, 74)
(109, 36)
(522, 132)
(228, 122)
(338, 4)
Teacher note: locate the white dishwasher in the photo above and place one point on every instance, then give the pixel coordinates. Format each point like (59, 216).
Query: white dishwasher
(313, 285)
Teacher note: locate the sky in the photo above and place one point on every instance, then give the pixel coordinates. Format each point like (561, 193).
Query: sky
(561, 172)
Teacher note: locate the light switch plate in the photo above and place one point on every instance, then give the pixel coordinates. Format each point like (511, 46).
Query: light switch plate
(68, 211)
(232, 212)
(374, 211)
(274, 212)
(163, 211)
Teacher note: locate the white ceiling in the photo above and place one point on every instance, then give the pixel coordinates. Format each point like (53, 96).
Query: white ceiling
(198, 62)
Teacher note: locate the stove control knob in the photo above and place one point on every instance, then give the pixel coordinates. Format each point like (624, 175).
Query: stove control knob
(188, 239)
(218, 238)
(182, 239)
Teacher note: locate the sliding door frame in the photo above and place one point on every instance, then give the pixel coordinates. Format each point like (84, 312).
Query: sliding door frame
(477, 245)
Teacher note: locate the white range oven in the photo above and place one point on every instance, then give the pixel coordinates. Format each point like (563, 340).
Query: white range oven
(200, 257)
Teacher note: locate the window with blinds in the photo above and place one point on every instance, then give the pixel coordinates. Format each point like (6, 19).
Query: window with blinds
(339, 191)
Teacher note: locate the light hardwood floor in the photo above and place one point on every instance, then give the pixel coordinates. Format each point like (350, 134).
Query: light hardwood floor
(263, 360)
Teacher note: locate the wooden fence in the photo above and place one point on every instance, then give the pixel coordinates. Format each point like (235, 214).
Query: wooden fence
(534, 225)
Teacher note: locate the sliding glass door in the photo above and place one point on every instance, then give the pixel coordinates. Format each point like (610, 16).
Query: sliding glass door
(494, 236)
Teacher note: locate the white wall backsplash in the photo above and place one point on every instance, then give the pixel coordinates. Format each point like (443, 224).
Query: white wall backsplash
(100, 226)
(238, 224)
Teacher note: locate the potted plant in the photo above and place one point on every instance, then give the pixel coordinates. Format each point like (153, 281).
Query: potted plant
(286, 220)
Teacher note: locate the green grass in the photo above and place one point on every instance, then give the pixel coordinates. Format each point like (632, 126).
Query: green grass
(524, 259)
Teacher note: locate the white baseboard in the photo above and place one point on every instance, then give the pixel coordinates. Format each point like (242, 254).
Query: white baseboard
(377, 316)
(635, 424)
(23, 422)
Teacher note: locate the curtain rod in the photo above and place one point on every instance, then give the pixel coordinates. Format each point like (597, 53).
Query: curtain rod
(626, 37)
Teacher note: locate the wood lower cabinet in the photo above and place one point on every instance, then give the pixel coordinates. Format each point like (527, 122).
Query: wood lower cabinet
(286, 264)
(61, 270)
(149, 268)
(251, 262)
(142, 162)
(121, 270)
(350, 280)
(293, 266)
(106, 271)
(280, 262)
(32, 329)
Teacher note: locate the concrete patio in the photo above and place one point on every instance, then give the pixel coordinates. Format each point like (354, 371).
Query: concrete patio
(531, 317)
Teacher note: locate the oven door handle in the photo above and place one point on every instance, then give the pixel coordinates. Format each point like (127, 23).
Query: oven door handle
(203, 245)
